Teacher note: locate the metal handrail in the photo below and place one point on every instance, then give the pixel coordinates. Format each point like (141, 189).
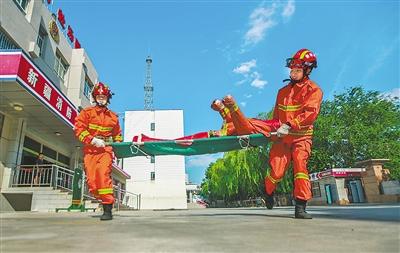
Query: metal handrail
(46, 175)
(125, 199)
(57, 177)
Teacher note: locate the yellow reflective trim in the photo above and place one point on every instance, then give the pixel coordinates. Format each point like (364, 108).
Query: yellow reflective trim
(273, 180)
(83, 134)
(224, 112)
(297, 122)
(301, 133)
(289, 108)
(118, 138)
(105, 191)
(301, 175)
(224, 129)
(235, 107)
(303, 54)
(99, 128)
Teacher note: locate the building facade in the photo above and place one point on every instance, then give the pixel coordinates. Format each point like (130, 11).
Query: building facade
(159, 180)
(45, 77)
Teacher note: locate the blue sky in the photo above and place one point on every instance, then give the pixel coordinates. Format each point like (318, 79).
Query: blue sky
(203, 50)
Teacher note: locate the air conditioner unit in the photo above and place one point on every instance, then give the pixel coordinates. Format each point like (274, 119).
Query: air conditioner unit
(34, 49)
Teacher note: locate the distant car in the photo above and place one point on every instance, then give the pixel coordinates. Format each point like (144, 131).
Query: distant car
(201, 202)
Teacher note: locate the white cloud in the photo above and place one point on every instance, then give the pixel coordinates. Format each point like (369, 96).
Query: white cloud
(241, 82)
(288, 9)
(248, 95)
(393, 94)
(245, 67)
(203, 160)
(261, 19)
(243, 104)
(258, 82)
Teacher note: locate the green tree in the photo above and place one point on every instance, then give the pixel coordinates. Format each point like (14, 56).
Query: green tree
(355, 126)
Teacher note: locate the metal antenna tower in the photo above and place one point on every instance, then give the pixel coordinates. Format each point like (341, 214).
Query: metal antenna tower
(148, 87)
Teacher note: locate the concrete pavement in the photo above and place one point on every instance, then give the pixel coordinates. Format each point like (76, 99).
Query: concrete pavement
(364, 228)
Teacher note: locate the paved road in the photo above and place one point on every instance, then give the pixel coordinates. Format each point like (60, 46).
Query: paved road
(353, 229)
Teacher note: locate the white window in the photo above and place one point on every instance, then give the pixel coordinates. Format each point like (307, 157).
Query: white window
(22, 4)
(60, 66)
(87, 89)
(41, 40)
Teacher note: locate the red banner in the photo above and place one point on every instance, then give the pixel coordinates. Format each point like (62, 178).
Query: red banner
(16, 65)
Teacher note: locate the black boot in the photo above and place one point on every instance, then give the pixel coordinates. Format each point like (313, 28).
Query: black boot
(107, 215)
(269, 200)
(300, 210)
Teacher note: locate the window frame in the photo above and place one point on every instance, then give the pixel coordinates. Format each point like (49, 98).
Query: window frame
(152, 175)
(19, 3)
(87, 91)
(60, 65)
(41, 40)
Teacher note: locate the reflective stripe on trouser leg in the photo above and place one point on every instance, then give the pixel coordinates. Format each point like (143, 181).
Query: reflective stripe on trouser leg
(103, 178)
(279, 158)
(226, 115)
(302, 186)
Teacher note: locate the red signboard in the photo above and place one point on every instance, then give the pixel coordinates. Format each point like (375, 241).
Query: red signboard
(17, 66)
(61, 18)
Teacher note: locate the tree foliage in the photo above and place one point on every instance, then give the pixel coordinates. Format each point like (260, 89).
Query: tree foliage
(355, 126)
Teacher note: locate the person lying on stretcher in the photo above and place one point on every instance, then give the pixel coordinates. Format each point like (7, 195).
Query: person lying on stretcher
(234, 123)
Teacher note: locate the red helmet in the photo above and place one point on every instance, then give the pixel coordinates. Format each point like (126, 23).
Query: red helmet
(304, 58)
(101, 89)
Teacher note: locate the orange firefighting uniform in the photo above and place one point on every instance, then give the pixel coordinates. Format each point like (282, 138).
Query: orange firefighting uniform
(235, 123)
(297, 104)
(100, 122)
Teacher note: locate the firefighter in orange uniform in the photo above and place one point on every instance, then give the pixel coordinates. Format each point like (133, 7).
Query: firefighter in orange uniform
(95, 126)
(297, 107)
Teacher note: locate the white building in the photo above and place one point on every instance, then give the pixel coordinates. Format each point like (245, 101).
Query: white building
(45, 76)
(159, 180)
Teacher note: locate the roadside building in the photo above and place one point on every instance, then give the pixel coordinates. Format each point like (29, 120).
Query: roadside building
(45, 76)
(160, 180)
(370, 183)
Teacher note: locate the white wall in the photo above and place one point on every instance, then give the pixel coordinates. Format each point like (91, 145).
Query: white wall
(168, 190)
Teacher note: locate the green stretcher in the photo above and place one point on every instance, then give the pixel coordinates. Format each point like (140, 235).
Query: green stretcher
(188, 147)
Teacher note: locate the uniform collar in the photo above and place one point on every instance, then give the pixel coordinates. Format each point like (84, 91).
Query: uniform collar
(101, 108)
(302, 83)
